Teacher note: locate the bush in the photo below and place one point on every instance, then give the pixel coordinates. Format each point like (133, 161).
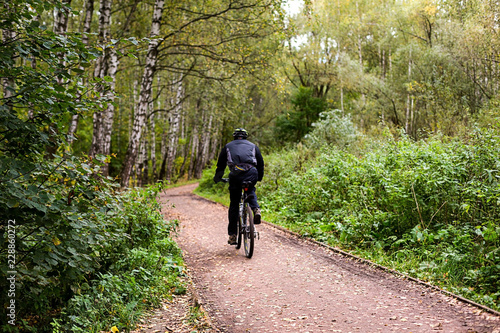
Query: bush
(73, 247)
(437, 200)
(332, 129)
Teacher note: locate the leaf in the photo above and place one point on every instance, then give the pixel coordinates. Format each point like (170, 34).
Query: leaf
(48, 44)
(56, 241)
(133, 40)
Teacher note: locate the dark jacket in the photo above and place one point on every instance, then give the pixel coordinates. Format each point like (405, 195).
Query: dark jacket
(239, 155)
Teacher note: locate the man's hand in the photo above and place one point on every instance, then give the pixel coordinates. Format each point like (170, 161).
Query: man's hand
(218, 177)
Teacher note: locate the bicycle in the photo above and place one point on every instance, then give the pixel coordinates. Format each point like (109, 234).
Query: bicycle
(245, 228)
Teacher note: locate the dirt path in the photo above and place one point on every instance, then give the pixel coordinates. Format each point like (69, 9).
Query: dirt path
(291, 285)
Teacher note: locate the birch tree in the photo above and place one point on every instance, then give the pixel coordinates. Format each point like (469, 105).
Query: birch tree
(100, 72)
(145, 94)
(173, 132)
(89, 11)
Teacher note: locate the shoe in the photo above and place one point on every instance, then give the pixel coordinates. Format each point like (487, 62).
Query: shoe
(256, 216)
(232, 240)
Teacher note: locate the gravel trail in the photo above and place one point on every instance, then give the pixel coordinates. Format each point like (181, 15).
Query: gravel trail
(292, 285)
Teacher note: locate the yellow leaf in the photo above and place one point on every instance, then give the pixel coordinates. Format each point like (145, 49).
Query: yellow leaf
(56, 241)
(114, 329)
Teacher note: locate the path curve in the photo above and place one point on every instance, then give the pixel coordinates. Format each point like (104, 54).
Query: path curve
(291, 285)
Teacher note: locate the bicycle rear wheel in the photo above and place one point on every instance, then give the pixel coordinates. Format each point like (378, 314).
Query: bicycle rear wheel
(248, 235)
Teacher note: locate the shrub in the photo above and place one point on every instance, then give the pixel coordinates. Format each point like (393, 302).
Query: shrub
(333, 128)
(437, 200)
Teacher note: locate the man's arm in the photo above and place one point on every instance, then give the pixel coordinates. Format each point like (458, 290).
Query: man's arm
(221, 165)
(260, 163)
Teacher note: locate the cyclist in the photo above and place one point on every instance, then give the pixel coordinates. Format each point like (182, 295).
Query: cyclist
(246, 164)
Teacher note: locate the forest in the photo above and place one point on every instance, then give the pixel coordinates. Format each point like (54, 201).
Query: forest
(378, 121)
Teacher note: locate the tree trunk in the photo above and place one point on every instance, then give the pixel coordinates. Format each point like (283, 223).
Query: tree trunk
(193, 150)
(110, 110)
(408, 106)
(60, 27)
(89, 10)
(214, 141)
(202, 158)
(61, 18)
(173, 132)
(152, 126)
(100, 71)
(184, 150)
(145, 96)
(163, 152)
(144, 179)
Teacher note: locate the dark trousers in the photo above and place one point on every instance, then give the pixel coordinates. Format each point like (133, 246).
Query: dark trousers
(235, 196)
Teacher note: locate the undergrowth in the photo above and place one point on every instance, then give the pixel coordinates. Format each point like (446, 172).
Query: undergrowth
(98, 267)
(141, 274)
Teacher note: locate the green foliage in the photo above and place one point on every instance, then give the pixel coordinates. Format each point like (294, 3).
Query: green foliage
(413, 64)
(207, 186)
(144, 270)
(294, 125)
(69, 250)
(332, 128)
(72, 226)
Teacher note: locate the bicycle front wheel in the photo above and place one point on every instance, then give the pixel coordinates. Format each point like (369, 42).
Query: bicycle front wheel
(249, 234)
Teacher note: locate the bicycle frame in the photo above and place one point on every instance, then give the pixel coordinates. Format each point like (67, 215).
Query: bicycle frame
(245, 228)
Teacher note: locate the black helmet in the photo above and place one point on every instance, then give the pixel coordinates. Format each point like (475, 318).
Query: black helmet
(240, 132)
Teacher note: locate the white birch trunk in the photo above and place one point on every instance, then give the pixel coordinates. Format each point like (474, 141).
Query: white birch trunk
(89, 10)
(109, 113)
(61, 16)
(100, 71)
(145, 96)
(152, 125)
(184, 151)
(61, 19)
(141, 161)
(134, 109)
(173, 132)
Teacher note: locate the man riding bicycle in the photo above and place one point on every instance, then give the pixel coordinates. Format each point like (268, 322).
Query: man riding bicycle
(246, 164)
